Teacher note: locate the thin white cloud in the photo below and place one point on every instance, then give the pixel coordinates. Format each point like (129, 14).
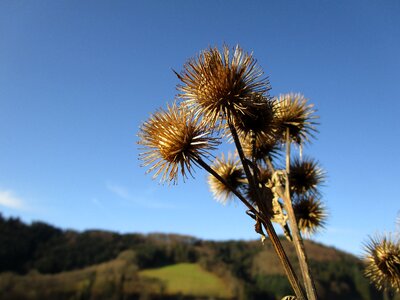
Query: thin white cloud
(137, 199)
(118, 190)
(8, 199)
(97, 202)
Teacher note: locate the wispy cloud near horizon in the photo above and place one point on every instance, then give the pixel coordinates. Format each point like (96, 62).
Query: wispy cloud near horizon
(9, 200)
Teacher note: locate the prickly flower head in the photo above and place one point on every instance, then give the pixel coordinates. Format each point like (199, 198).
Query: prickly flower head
(173, 139)
(310, 214)
(383, 262)
(294, 113)
(230, 170)
(257, 119)
(216, 84)
(305, 176)
(263, 177)
(260, 147)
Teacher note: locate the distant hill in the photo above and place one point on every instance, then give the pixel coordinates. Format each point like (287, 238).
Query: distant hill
(39, 261)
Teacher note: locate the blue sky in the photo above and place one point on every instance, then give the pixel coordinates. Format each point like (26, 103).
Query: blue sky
(77, 78)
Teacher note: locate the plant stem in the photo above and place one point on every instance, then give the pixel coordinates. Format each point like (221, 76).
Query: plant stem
(297, 240)
(269, 164)
(252, 183)
(292, 277)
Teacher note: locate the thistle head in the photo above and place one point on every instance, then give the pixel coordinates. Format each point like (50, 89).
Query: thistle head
(230, 169)
(294, 113)
(257, 119)
(261, 147)
(263, 177)
(382, 255)
(172, 140)
(305, 176)
(310, 214)
(214, 84)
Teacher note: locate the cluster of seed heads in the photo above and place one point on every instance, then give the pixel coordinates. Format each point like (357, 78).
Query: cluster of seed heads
(221, 87)
(224, 95)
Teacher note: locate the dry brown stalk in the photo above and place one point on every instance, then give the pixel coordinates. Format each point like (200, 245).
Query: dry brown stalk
(297, 239)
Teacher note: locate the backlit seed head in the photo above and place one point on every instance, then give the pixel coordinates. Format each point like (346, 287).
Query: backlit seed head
(257, 119)
(382, 255)
(263, 176)
(292, 111)
(214, 84)
(229, 168)
(172, 140)
(310, 214)
(261, 148)
(305, 176)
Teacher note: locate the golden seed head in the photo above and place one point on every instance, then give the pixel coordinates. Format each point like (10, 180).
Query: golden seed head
(310, 214)
(382, 255)
(231, 171)
(292, 111)
(305, 176)
(262, 147)
(172, 140)
(216, 83)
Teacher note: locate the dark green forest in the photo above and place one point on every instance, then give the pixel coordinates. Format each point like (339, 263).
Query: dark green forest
(40, 261)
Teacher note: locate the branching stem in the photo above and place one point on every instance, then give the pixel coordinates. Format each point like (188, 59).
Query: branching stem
(292, 277)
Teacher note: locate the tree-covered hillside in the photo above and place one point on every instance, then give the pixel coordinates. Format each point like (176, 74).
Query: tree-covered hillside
(39, 261)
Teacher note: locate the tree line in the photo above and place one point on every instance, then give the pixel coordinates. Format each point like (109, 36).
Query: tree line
(249, 267)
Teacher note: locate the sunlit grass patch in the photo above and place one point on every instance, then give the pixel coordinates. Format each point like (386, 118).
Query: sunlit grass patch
(189, 279)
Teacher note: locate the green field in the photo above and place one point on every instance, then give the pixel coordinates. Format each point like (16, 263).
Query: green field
(189, 279)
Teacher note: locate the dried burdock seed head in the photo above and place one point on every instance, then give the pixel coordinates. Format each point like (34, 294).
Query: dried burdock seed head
(292, 111)
(214, 84)
(261, 148)
(382, 255)
(263, 176)
(305, 176)
(310, 214)
(257, 119)
(230, 169)
(172, 139)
